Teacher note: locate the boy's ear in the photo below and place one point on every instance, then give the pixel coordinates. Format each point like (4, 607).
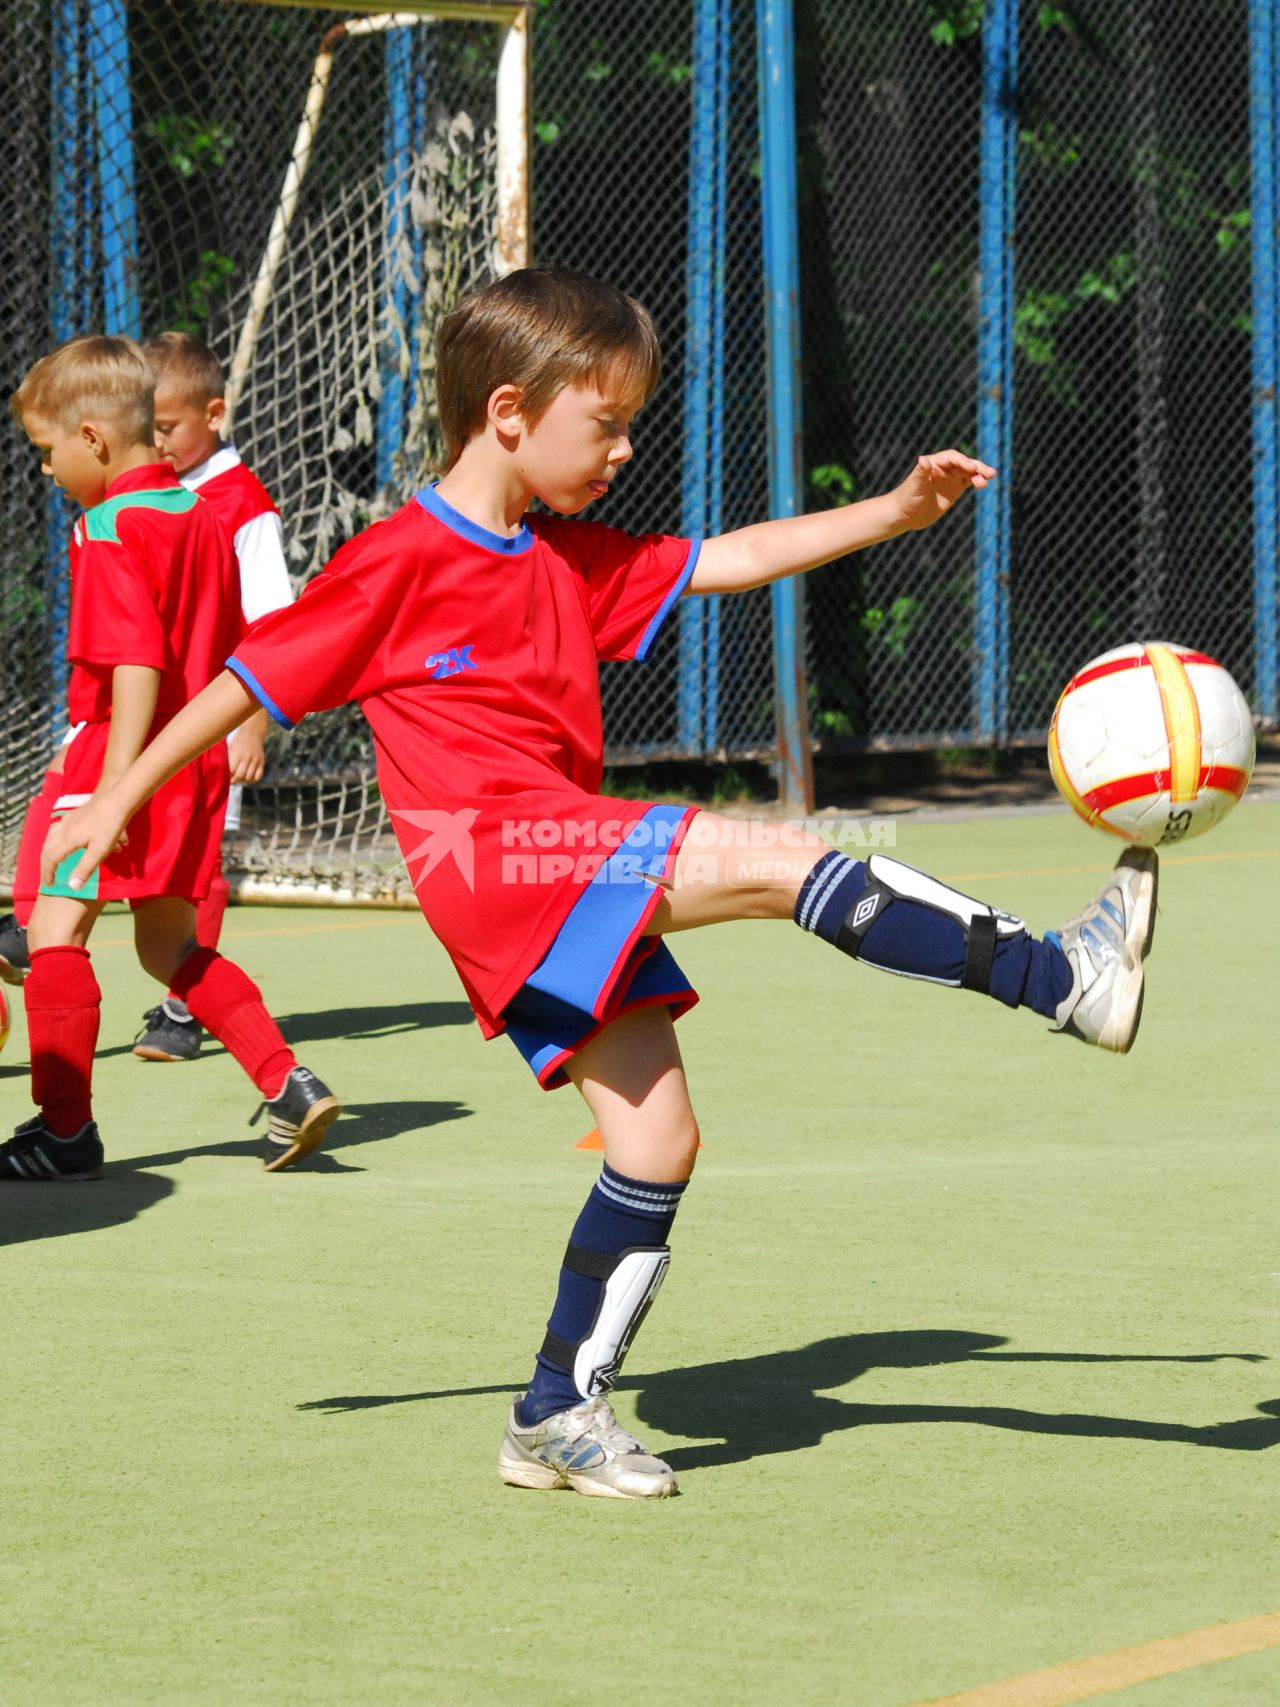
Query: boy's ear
(216, 413)
(505, 410)
(94, 434)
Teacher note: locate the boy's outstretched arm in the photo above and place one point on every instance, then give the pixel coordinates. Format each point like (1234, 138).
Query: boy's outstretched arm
(98, 828)
(753, 556)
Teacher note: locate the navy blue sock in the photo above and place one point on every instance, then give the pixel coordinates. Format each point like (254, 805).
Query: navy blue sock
(919, 941)
(619, 1213)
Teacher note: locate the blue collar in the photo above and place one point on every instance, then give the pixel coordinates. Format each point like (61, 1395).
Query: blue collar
(456, 522)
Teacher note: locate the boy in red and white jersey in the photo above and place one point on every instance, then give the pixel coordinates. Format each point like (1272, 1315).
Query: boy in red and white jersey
(190, 413)
(470, 630)
(154, 611)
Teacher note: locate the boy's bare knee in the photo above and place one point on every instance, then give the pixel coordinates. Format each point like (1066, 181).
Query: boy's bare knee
(690, 1140)
(160, 959)
(679, 1147)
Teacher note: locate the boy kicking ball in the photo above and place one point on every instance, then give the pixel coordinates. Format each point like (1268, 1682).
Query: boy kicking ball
(154, 610)
(470, 631)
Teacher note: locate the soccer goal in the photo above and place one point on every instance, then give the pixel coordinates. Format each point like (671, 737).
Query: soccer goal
(310, 189)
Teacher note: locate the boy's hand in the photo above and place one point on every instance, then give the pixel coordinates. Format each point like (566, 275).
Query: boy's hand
(246, 749)
(98, 828)
(934, 485)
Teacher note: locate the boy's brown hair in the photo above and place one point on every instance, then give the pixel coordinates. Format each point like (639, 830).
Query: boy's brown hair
(180, 358)
(93, 376)
(542, 329)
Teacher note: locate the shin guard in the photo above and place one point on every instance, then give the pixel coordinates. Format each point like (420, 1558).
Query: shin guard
(630, 1282)
(961, 953)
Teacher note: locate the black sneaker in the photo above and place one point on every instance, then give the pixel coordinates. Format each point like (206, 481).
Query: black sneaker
(298, 1119)
(14, 960)
(34, 1154)
(170, 1033)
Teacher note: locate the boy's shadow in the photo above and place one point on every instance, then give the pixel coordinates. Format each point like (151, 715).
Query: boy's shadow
(754, 1406)
(350, 1024)
(760, 1405)
(367, 1023)
(359, 1123)
(38, 1211)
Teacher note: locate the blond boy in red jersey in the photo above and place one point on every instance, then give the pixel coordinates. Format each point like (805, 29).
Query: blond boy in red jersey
(154, 611)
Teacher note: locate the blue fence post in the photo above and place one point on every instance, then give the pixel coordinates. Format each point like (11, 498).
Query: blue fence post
(393, 298)
(781, 240)
(421, 51)
(1263, 69)
(700, 287)
(715, 496)
(107, 57)
(992, 516)
(68, 309)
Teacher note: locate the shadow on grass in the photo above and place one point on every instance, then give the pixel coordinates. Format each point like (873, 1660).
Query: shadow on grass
(39, 1211)
(364, 1023)
(360, 1123)
(354, 1025)
(755, 1407)
(88, 1206)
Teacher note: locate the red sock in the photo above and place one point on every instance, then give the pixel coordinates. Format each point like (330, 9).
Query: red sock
(63, 1003)
(209, 911)
(228, 1003)
(35, 827)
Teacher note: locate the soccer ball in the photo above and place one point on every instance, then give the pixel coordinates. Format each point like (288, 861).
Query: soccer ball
(1152, 742)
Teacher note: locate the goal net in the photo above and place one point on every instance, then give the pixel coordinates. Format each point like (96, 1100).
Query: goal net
(310, 190)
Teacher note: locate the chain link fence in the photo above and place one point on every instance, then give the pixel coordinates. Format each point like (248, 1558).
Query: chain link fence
(889, 230)
(1131, 438)
(1131, 457)
(1130, 326)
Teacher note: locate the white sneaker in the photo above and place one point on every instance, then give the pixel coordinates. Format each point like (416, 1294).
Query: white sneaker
(585, 1449)
(1105, 947)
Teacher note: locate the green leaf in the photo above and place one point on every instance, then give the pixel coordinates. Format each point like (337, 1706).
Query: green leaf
(189, 146)
(670, 71)
(833, 481)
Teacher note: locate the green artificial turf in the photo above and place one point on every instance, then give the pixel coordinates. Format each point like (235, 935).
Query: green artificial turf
(961, 1359)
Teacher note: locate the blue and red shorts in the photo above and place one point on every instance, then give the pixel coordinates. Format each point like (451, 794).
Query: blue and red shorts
(601, 964)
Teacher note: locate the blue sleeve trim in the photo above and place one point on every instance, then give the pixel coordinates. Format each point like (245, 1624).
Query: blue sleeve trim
(660, 615)
(260, 693)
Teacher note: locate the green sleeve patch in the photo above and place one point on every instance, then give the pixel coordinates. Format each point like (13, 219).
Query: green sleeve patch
(100, 521)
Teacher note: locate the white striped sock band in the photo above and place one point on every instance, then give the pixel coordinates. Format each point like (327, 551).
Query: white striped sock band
(640, 1197)
(836, 867)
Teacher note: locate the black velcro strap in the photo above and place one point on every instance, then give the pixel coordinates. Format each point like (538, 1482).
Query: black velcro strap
(591, 1265)
(558, 1351)
(979, 952)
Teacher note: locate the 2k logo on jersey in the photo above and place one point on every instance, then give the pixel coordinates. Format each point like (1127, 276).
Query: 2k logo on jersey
(450, 663)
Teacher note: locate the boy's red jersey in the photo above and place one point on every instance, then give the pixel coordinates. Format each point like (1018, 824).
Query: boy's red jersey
(475, 658)
(153, 582)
